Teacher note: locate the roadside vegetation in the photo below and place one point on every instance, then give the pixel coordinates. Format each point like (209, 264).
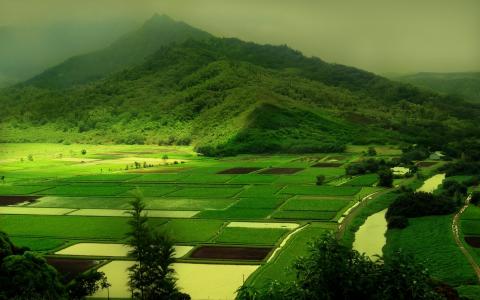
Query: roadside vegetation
(331, 270)
(27, 275)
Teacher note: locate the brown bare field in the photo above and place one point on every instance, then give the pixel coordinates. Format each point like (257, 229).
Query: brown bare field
(70, 268)
(239, 170)
(281, 170)
(233, 253)
(327, 165)
(473, 241)
(13, 200)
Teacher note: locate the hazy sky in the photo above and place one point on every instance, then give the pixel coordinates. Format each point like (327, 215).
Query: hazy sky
(377, 35)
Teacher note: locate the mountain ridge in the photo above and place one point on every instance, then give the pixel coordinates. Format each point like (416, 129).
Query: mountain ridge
(226, 96)
(122, 53)
(462, 84)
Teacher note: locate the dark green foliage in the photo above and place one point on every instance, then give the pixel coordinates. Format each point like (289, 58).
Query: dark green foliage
(7, 247)
(472, 181)
(465, 84)
(225, 96)
(466, 149)
(371, 151)
(385, 176)
(86, 284)
(334, 271)
(418, 204)
(28, 276)
(475, 198)
(461, 167)
(413, 153)
(366, 166)
(320, 179)
(397, 222)
(152, 276)
(452, 188)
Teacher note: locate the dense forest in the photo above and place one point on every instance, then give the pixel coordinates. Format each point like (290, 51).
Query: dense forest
(224, 96)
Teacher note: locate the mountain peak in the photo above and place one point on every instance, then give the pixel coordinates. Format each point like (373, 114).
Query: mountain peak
(157, 19)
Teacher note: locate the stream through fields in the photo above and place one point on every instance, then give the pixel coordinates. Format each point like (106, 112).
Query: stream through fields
(370, 237)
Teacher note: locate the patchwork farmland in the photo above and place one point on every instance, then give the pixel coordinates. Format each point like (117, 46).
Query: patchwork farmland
(250, 216)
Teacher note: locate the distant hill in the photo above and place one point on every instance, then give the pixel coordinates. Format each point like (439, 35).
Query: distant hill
(127, 51)
(26, 50)
(465, 85)
(227, 96)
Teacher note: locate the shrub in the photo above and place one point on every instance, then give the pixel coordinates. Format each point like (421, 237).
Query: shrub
(418, 204)
(385, 177)
(399, 222)
(320, 179)
(371, 151)
(452, 187)
(475, 198)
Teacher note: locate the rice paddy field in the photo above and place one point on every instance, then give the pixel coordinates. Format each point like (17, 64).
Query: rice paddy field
(243, 218)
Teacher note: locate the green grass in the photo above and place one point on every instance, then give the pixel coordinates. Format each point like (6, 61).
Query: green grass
(472, 292)
(206, 192)
(87, 190)
(235, 213)
(323, 190)
(431, 241)
(206, 178)
(260, 191)
(312, 204)
(82, 202)
(154, 190)
(192, 231)
(363, 180)
(161, 177)
(64, 227)
(188, 204)
(103, 177)
(21, 189)
(472, 212)
(250, 236)
(470, 226)
(281, 267)
(304, 215)
(37, 244)
(254, 178)
(272, 202)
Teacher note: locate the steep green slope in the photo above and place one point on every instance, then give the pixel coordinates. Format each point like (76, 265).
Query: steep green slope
(465, 85)
(226, 96)
(130, 50)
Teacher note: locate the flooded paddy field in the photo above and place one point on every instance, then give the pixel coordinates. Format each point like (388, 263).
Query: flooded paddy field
(200, 281)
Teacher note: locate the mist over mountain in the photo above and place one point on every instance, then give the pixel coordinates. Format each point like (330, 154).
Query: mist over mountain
(128, 50)
(465, 84)
(26, 50)
(170, 83)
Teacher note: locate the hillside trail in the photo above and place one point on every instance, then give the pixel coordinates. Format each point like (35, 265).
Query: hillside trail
(456, 235)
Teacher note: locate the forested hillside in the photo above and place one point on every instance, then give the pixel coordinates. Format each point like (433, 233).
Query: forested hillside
(226, 96)
(465, 85)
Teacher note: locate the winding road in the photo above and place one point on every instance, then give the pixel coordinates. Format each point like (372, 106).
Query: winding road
(458, 241)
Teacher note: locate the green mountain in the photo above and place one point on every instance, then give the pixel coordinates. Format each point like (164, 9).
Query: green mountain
(226, 96)
(130, 50)
(465, 84)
